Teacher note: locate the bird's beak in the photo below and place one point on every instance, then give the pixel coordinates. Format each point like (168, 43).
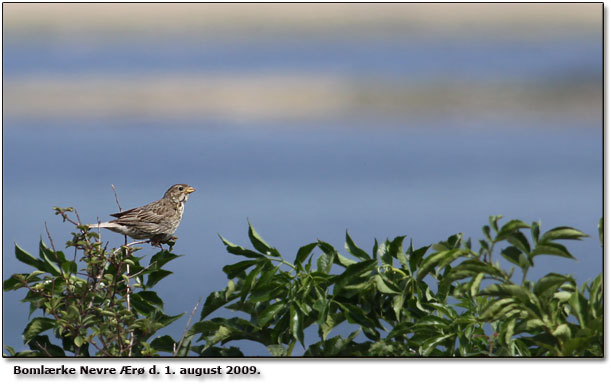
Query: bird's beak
(190, 190)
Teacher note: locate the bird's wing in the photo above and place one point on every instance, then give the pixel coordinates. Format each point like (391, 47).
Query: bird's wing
(121, 214)
(150, 213)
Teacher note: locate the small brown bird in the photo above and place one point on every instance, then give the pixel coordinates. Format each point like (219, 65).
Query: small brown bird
(156, 221)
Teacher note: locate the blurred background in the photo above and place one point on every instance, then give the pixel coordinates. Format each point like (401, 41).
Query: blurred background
(308, 119)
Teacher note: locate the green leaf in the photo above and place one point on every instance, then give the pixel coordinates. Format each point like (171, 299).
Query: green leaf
(562, 331)
(507, 290)
(486, 232)
(69, 267)
(141, 305)
(553, 249)
(214, 301)
(509, 228)
(430, 344)
(37, 326)
(432, 322)
(353, 273)
(343, 261)
(535, 228)
(477, 281)
(277, 350)
(336, 346)
(296, 323)
(601, 230)
(579, 305)
(240, 251)
(260, 244)
(382, 287)
(28, 259)
(492, 310)
(493, 220)
(14, 282)
(374, 251)
(10, 350)
(386, 256)
(548, 284)
(330, 322)
(161, 258)
(356, 315)
(415, 257)
(440, 258)
(303, 253)
(354, 250)
(334, 256)
(562, 233)
(43, 250)
(395, 249)
(155, 276)
(78, 341)
(562, 296)
(221, 335)
(151, 297)
(238, 268)
(517, 257)
(324, 263)
(42, 344)
(269, 313)
(397, 305)
(52, 260)
(249, 281)
(164, 344)
(519, 241)
(205, 351)
(268, 278)
(576, 346)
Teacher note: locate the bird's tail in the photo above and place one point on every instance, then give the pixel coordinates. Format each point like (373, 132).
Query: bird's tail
(106, 224)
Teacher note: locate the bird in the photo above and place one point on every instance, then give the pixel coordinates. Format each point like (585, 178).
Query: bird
(156, 221)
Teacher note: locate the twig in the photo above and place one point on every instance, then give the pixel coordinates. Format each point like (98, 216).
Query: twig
(104, 351)
(129, 288)
(129, 245)
(118, 205)
(50, 240)
(116, 197)
(99, 230)
(142, 271)
(129, 309)
(78, 218)
(44, 349)
(177, 348)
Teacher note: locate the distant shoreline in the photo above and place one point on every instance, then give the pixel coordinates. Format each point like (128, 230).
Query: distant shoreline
(287, 96)
(517, 20)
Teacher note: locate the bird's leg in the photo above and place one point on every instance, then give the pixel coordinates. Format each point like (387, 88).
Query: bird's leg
(137, 242)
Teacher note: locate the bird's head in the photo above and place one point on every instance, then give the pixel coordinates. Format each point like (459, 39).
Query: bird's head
(179, 192)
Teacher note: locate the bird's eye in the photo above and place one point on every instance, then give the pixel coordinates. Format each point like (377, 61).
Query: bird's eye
(180, 188)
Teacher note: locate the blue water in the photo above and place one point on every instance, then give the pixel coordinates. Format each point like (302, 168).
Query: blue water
(298, 185)
(301, 181)
(485, 58)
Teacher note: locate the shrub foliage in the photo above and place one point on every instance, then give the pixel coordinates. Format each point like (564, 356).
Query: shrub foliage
(446, 299)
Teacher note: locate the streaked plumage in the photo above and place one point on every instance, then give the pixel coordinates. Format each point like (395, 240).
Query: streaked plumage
(156, 221)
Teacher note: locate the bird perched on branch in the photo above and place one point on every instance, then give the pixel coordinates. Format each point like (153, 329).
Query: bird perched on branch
(156, 221)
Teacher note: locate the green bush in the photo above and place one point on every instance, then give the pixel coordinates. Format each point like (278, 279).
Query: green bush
(446, 299)
(107, 307)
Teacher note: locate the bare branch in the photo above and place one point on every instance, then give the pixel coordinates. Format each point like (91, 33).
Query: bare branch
(118, 205)
(129, 308)
(50, 240)
(44, 349)
(129, 288)
(177, 348)
(116, 197)
(78, 218)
